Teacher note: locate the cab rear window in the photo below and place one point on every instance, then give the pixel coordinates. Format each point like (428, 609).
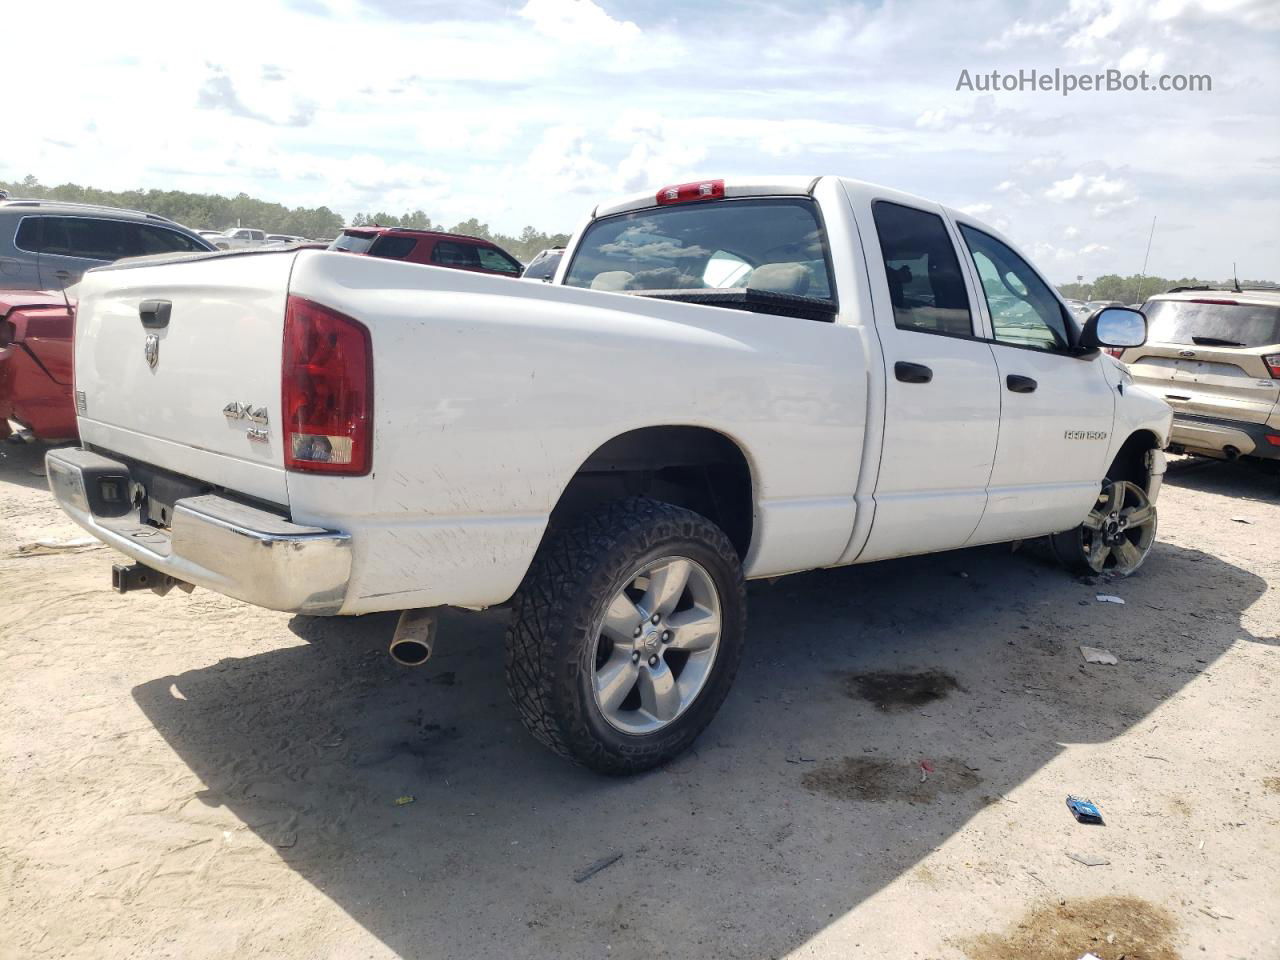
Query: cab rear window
(776, 245)
(1212, 324)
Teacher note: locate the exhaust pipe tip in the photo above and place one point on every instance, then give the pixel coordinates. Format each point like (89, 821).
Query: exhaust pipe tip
(415, 638)
(410, 653)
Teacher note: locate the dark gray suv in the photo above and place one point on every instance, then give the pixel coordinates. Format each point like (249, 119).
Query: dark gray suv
(49, 244)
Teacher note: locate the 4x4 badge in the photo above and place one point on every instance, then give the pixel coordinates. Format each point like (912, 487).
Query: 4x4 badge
(151, 350)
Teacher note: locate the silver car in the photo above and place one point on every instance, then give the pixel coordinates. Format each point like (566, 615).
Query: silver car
(49, 244)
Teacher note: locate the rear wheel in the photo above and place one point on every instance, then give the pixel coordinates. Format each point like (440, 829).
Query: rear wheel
(1117, 535)
(626, 635)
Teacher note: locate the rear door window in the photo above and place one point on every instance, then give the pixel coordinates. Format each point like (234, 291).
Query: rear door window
(86, 238)
(450, 254)
(926, 286)
(1212, 324)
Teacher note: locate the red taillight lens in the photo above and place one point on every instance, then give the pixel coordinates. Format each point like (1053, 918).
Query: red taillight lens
(1113, 351)
(688, 192)
(327, 391)
(1273, 439)
(1273, 365)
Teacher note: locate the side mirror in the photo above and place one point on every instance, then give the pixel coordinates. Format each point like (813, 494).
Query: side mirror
(1118, 327)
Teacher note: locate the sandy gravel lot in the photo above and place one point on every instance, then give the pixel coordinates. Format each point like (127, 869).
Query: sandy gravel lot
(190, 777)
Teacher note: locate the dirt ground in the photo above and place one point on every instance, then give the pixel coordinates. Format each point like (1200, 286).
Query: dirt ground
(190, 777)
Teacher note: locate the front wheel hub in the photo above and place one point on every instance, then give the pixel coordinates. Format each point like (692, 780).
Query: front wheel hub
(1121, 529)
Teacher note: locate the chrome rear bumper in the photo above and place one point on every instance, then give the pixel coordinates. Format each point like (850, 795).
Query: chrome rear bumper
(212, 541)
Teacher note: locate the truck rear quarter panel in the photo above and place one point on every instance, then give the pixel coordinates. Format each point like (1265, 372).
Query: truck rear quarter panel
(487, 404)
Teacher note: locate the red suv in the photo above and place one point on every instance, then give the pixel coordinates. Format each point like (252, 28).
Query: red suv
(427, 246)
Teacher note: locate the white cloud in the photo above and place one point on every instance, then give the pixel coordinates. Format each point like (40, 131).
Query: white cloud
(658, 154)
(564, 159)
(1143, 58)
(579, 22)
(533, 116)
(976, 209)
(1080, 186)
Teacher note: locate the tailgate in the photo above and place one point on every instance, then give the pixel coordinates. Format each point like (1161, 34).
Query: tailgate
(178, 365)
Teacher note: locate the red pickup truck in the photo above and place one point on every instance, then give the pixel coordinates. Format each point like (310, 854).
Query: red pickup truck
(35, 364)
(430, 247)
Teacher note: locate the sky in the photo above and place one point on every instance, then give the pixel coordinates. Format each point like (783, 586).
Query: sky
(532, 111)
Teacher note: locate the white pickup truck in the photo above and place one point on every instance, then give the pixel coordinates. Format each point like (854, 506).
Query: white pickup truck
(724, 381)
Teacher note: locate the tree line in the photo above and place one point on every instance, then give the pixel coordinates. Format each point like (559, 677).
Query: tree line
(211, 211)
(1136, 288)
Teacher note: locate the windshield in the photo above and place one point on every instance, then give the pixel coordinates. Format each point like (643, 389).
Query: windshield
(353, 242)
(773, 244)
(1212, 324)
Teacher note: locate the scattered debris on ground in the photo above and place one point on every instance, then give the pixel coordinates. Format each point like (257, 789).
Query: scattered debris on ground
(1088, 859)
(1098, 655)
(43, 547)
(1109, 598)
(1086, 811)
(589, 871)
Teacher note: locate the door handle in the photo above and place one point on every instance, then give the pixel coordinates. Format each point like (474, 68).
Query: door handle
(154, 314)
(62, 274)
(1020, 384)
(912, 372)
(1175, 396)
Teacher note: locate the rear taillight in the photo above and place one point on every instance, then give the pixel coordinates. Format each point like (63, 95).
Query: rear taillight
(327, 391)
(1113, 351)
(1273, 439)
(1273, 365)
(689, 192)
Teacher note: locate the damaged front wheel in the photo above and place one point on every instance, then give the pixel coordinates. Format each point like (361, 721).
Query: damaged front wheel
(1116, 536)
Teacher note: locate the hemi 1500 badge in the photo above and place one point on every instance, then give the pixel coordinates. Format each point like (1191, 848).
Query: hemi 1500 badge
(1085, 434)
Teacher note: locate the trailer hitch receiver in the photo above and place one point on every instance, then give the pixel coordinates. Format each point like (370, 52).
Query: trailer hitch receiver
(138, 576)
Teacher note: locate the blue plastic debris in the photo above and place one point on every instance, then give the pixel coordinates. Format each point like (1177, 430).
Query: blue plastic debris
(1086, 811)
